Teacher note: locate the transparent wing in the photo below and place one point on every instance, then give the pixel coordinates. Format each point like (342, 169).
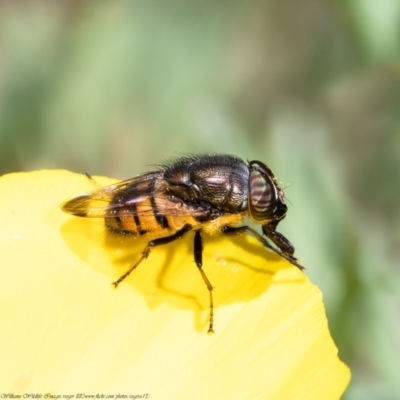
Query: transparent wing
(130, 195)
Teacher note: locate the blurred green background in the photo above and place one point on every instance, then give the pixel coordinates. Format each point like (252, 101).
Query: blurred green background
(309, 87)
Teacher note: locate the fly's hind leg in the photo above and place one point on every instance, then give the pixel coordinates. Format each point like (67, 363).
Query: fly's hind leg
(150, 245)
(90, 177)
(198, 258)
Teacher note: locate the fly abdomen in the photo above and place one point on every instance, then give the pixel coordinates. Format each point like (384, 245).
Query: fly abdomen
(161, 219)
(138, 219)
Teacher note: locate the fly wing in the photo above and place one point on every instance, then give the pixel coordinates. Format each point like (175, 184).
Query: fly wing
(105, 202)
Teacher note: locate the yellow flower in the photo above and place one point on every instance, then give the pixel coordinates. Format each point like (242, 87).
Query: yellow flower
(66, 331)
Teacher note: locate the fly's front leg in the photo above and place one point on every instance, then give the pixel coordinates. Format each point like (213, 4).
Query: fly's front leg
(198, 258)
(229, 230)
(150, 245)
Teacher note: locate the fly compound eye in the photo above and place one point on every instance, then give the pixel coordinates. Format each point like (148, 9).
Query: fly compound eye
(263, 195)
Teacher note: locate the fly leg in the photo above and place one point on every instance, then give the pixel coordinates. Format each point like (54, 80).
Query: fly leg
(150, 245)
(198, 258)
(90, 177)
(229, 230)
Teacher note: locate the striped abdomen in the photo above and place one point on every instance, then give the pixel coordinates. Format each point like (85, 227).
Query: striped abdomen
(141, 218)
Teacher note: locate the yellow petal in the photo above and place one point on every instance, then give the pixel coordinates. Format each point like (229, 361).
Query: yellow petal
(65, 329)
